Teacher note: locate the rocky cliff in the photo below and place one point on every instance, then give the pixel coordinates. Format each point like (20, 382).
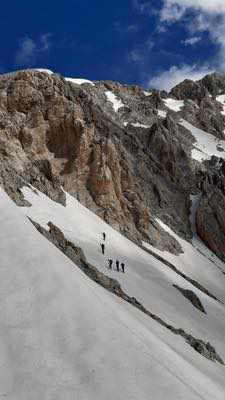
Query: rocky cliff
(120, 150)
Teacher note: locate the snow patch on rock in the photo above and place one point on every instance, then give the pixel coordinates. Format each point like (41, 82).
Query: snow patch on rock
(206, 144)
(79, 81)
(221, 99)
(116, 103)
(147, 93)
(173, 104)
(47, 71)
(162, 113)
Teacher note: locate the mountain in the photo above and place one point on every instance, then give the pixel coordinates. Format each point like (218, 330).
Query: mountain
(147, 168)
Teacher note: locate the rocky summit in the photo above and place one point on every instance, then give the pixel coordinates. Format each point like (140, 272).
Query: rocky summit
(112, 239)
(127, 154)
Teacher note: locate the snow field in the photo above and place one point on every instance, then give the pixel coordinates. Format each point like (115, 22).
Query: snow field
(63, 336)
(145, 278)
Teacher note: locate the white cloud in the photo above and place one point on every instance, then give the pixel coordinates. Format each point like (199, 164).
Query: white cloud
(179, 7)
(29, 50)
(209, 16)
(191, 41)
(168, 79)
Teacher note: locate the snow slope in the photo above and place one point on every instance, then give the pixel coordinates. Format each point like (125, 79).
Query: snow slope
(206, 144)
(146, 278)
(63, 336)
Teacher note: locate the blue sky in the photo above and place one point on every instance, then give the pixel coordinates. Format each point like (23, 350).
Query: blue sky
(151, 43)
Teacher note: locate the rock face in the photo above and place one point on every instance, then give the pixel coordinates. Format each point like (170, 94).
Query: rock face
(190, 90)
(211, 211)
(55, 133)
(201, 107)
(127, 163)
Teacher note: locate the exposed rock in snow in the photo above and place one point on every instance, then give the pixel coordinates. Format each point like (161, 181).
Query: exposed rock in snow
(190, 295)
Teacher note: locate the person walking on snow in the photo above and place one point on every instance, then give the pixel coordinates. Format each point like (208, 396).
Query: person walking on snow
(117, 265)
(110, 263)
(104, 235)
(103, 248)
(123, 267)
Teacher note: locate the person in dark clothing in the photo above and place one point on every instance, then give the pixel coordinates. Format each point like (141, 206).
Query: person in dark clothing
(117, 265)
(123, 267)
(103, 248)
(104, 235)
(110, 263)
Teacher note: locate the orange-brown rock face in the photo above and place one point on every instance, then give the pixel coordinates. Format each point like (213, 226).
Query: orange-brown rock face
(52, 129)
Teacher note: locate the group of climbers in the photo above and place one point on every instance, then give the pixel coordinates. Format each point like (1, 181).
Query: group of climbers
(118, 264)
(110, 261)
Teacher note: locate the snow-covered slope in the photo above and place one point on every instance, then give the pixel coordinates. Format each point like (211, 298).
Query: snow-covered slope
(63, 336)
(146, 278)
(206, 144)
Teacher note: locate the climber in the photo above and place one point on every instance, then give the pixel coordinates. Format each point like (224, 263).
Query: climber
(104, 235)
(103, 248)
(123, 267)
(110, 263)
(117, 265)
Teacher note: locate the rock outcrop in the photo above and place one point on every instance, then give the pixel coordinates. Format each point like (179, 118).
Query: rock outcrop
(192, 297)
(210, 218)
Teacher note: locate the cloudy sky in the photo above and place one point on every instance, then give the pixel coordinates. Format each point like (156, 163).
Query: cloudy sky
(154, 43)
